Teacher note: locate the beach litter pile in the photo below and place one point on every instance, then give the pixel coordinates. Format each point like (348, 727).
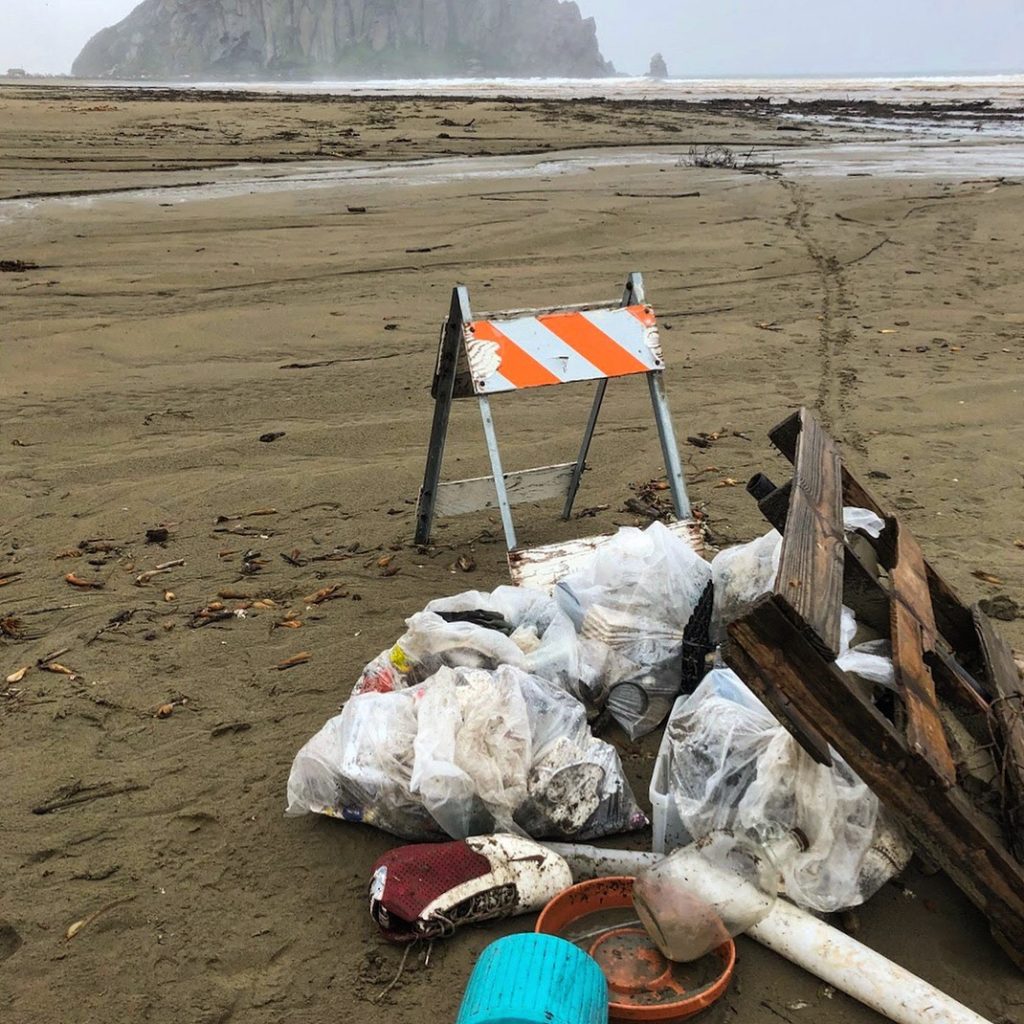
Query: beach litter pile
(850, 711)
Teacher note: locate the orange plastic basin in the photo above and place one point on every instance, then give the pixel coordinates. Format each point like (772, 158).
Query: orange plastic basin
(642, 984)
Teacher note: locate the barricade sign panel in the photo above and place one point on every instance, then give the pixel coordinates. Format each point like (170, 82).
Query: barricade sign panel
(500, 353)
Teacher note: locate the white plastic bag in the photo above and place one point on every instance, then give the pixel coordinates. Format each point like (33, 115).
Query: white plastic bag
(630, 601)
(473, 750)
(466, 752)
(732, 765)
(862, 519)
(511, 626)
(745, 573)
(742, 575)
(359, 767)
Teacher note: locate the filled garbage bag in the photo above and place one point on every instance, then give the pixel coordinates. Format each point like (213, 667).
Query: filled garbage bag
(733, 766)
(745, 573)
(630, 602)
(466, 752)
(511, 626)
(741, 575)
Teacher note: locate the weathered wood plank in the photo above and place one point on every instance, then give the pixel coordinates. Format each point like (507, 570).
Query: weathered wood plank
(953, 620)
(810, 580)
(913, 635)
(457, 497)
(1008, 710)
(775, 506)
(786, 434)
(954, 683)
(862, 590)
(951, 616)
(542, 567)
(798, 724)
(942, 820)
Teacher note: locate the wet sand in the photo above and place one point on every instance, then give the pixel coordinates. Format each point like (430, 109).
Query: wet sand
(150, 341)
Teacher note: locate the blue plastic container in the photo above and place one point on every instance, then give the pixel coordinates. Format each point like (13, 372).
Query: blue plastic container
(535, 979)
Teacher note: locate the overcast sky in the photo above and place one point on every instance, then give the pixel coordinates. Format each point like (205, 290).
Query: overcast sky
(697, 37)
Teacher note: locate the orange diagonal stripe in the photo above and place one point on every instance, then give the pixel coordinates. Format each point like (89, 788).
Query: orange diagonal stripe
(644, 314)
(593, 344)
(517, 367)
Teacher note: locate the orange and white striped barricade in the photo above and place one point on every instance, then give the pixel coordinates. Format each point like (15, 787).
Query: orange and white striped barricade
(495, 353)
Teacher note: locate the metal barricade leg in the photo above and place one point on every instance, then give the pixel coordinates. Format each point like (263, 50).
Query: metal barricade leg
(444, 388)
(669, 448)
(588, 436)
(498, 472)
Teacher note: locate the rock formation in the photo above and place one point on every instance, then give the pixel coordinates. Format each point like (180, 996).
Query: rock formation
(305, 39)
(659, 69)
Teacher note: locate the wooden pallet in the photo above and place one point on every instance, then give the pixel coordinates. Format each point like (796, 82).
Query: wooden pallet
(948, 659)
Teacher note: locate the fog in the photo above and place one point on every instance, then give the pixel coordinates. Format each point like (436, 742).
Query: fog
(697, 37)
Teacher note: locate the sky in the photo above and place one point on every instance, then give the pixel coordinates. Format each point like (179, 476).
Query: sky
(697, 37)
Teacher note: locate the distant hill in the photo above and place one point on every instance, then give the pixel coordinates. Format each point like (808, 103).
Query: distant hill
(306, 39)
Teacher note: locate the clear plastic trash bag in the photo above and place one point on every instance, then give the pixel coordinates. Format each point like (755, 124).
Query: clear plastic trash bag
(742, 575)
(733, 766)
(466, 752)
(512, 626)
(745, 573)
(630, 601)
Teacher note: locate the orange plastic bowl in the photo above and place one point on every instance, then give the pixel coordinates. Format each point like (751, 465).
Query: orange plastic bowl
(642, 984)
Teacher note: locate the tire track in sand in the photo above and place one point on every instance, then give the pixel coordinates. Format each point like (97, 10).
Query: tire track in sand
(837, 380)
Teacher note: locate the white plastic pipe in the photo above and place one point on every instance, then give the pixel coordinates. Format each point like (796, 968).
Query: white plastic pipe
(824, 951)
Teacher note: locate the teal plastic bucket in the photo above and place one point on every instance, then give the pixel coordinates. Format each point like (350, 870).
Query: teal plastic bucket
(535, 979)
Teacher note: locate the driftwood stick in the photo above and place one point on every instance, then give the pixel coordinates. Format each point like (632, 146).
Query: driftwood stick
(86, 795)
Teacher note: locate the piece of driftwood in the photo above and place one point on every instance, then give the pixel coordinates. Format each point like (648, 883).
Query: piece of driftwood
(947, 659)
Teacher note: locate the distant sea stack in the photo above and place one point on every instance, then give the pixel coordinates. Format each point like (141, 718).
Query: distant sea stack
(308, 39)
(658, 69)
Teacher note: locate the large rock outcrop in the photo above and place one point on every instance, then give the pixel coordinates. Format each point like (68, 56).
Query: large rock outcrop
(303, 39)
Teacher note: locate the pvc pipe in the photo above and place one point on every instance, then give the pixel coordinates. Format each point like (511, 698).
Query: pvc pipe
(587, 862)
(853, 968)
(824, 951)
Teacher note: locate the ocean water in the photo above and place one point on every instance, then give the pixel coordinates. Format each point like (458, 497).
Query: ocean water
(1003, 90)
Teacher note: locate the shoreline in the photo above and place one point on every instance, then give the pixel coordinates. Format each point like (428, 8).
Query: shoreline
(659, 94)
(980, 158)
(61, 140)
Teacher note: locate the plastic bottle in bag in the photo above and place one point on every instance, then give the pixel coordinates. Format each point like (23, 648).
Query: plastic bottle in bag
(707, 892)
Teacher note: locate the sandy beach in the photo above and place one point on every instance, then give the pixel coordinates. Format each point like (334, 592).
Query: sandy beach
(185, 272)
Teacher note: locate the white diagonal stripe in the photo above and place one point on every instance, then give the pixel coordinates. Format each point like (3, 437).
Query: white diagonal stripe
(548, 349)
(627, 332)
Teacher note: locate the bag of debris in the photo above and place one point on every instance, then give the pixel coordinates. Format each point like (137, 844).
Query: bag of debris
(359, 767)
(742, 575)
(630, 602)
(745, 573)
(466, 752)
(510, 626)
(733, 766)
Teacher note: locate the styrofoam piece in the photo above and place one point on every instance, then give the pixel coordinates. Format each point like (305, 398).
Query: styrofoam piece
(668, 827)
